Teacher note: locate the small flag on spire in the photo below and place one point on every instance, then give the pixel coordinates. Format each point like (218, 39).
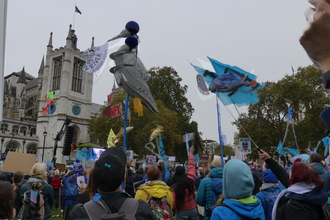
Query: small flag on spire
(77, 10)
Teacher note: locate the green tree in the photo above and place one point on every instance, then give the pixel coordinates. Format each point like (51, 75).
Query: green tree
(265, 120)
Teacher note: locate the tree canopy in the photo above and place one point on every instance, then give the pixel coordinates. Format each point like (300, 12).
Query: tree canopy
(265, 121)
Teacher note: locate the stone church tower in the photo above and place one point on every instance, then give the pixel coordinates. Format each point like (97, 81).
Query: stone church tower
(64, 77)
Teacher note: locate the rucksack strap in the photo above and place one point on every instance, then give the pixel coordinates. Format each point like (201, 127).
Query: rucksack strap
(96, 210)
(129, 207)
(241, 216)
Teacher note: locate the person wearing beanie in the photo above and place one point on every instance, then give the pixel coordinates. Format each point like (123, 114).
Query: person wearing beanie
(210, 188)
(239, 203)
(78, 168)
(184, 190)
(107, 176)
(270, 188)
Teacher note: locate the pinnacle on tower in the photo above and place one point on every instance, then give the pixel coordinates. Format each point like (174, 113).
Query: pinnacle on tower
(22, 78)
(50, 42)
(69, 33)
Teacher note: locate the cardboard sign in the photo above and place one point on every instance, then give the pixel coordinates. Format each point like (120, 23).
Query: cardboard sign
(18, 162)
(60, 167)
(204, 161)
(116, 110)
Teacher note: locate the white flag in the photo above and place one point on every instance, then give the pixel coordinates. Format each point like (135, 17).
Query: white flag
(95, 58)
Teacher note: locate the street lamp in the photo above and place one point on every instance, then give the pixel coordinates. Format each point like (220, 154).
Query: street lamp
(43, 148)
(2, 140)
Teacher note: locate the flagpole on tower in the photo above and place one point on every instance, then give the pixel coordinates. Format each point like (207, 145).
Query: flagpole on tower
(74, 16)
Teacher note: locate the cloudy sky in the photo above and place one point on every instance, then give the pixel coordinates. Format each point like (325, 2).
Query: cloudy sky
(259, 36)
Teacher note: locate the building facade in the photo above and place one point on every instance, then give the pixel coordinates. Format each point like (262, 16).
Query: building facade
(30, 123)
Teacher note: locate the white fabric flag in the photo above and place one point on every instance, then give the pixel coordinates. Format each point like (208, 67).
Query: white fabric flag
(95, 58)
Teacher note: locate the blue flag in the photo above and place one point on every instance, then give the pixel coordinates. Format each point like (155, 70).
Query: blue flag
(294, 152)
(161, 149)
(280, 149)
(77, 10)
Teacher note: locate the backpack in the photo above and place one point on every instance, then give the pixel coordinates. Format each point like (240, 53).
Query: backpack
(98, 210)
(241, 216)
(33, 204)
(160, 207)
(271, 198)
(56, 182)
(71, 188)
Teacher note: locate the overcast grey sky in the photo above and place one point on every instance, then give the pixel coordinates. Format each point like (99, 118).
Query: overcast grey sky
(257, 35)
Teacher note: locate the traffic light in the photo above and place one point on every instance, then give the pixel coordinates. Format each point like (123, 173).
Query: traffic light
(68, 141)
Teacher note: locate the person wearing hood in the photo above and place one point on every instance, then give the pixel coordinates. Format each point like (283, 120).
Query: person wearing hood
(210, 188)
(154, 187)
(184, 190)
(304, 198)
(130, 179)
(315, 161)
(239, 203)
(270, 187)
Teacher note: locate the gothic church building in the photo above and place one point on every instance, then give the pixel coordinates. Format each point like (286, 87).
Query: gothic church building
(25, 126)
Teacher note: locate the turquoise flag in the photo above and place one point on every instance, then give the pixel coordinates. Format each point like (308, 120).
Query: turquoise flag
(280, 149)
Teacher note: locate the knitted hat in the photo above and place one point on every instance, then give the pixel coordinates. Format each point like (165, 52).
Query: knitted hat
(269, 177)
(109, 170)
(179, 170)
(216, 162)
(78, 168)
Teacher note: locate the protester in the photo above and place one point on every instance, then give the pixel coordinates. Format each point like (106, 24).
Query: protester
(304, 198)
(7, 196)
(108, 174)
(17, 183)
(88, 192)
(239, 203)
(55, 182)
(256, 177)
(155, 189)
(184, 190)
(39, 180)
(315, 161)
(210, 188)
(268, 192)
(130, 179)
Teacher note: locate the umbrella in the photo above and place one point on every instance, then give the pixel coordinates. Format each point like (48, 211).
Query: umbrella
(88, 144)
(304, 158)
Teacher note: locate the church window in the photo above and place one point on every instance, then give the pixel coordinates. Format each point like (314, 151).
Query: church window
(77, 77)
(57, 73)
(23, 130)
(13, 91)
(4, 128)
(32, 132)
(12, 146)
(14, 130)
(31, 149)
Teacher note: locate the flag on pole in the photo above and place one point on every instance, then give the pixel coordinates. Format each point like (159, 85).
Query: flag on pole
(77, 10)
(280, 149)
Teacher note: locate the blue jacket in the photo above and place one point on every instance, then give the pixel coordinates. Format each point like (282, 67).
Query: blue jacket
(252, 211)
(324, 175)
(204, 195)
(262, 198)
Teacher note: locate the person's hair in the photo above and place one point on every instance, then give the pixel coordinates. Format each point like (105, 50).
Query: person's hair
(39, 170)
(182, 183)
(17, 179)
(91, 188)
(153, 173)
(7, 198)
(219, 201)
(315, 158)
(302, 172)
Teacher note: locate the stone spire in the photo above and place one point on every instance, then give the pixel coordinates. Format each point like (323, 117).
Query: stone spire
(42, 65)
(92, 46)
(50, 42)
(22, 78)
(69, 33)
